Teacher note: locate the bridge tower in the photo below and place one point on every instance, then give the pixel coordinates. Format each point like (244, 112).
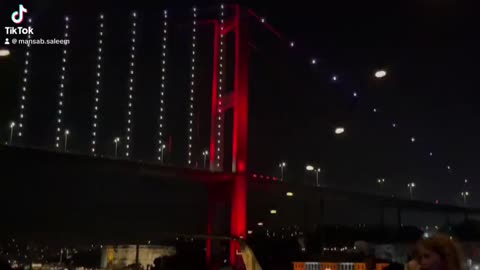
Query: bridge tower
(236, 100)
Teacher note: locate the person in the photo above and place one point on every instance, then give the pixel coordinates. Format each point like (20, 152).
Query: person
(439, 252)
(412, 264)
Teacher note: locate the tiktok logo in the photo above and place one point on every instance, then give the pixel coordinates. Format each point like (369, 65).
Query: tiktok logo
(17, 16)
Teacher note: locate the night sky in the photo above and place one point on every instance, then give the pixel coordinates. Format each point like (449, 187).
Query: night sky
(429, 48)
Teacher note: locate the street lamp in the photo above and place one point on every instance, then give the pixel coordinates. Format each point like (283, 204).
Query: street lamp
(205, 155)
(12, 126)
(4, 52)
(411, 186)
(465, 194)
(66, 139)
(380, 74)
(162, 150)
(282, 166)
(116, 141)
(310, 168)
(381, 181)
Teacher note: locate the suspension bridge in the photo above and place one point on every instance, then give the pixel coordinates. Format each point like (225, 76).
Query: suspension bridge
(213, 154)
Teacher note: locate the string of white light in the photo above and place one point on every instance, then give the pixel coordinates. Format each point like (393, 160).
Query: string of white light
(96, 101)
(131, 84)
(161, 122)
(61, 91)
(220, 87)
(192, 87)
(24, 87)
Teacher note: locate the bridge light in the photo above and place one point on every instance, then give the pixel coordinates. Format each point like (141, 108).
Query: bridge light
(131, 83)
(99, 77)
(339, 130)
(380, 74)
(192, 89)
(220, 83)
(4, 52)
(61, 89)
(24, 86)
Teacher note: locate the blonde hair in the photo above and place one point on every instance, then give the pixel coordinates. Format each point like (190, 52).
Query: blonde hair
(448, 249)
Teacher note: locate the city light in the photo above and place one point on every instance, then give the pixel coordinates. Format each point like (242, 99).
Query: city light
(380, 74)
(4, 52)
(273, 211)
(289, 194)
(339, 130)
(260, 224)
(412, 139)
(292, 44)
(249, 232)
(314, 61)
(309, 168)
